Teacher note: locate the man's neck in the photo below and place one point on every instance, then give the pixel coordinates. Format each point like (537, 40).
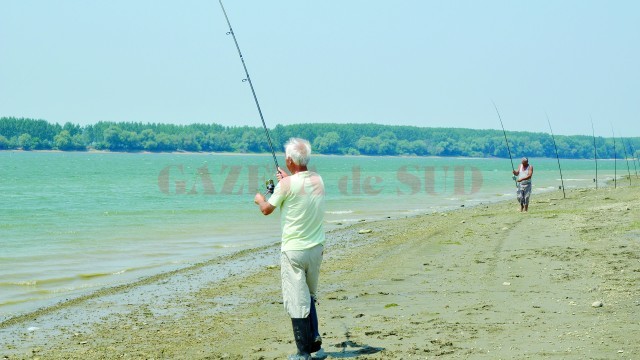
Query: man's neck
(298, 169)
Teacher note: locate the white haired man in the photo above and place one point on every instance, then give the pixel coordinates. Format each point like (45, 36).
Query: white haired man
(300, 197)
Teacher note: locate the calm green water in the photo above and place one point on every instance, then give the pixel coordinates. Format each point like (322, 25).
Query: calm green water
(75, 222)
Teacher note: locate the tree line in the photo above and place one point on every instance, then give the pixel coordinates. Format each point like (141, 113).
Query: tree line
(340, 139)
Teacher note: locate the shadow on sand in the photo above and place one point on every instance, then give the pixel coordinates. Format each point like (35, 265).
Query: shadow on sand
(349, 349)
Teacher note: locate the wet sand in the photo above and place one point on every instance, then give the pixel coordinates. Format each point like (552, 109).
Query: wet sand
(486, 282)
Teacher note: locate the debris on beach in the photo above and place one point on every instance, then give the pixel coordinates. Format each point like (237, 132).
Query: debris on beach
(597, 304)
(365, 231)
(506, 283)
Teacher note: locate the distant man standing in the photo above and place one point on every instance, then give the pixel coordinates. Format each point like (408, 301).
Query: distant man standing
(524, 175)
(300, 197)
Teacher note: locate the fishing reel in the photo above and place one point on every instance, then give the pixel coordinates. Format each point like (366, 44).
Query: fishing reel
(270, 186)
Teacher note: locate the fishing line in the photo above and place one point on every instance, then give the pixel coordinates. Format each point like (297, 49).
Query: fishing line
(557, 156)
(505, 138)
(253, 91)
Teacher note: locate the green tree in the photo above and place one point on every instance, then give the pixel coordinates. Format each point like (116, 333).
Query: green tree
(4, 143)
(368, 145)
(166, 142)
(216, 142)
(191, 142)
(113, 138)
(148, 140)
(328, 143)
(387, 142)
(63, 141)
(25, 141)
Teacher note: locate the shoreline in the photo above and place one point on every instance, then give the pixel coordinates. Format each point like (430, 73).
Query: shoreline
(364, 298)
(145, 152)
(399, 206)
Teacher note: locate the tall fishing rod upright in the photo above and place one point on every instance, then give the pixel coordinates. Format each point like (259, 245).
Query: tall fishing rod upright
(627, 159)
(253, 91)
(615, 160)
(595, 151)
(505, 138)
(633, 157)
(564, 196)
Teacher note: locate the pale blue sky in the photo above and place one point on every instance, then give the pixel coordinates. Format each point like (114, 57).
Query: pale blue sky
(419, 62)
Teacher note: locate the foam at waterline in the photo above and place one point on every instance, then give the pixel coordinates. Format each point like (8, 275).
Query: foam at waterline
(63, 280)
(37, 282)
(343, 220)
(19, 283)
(69, 289)
(89, 276)
(339, 212)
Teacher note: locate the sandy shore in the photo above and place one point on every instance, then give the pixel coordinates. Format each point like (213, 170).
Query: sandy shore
(480, 283)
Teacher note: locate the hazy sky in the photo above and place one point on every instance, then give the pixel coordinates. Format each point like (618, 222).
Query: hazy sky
(419, 62)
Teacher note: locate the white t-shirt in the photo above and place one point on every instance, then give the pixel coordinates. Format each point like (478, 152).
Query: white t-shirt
(300, 198)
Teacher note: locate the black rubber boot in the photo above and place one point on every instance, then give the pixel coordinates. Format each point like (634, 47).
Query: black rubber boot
(316, 343)
(302, 335)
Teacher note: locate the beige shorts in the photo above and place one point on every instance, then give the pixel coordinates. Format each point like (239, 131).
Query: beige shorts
(300, 270)
(524, 193)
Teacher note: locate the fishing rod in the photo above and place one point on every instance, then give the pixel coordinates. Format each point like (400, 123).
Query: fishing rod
(615, 160)
(564, 196)
(627, 159)
(270, 185)
(595, 151)
(505, 140)
(633, 157)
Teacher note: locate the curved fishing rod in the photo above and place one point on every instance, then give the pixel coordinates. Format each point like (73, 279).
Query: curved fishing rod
(505, 139)
(595, 152)
(557, 156)
(627, 159)
(253, 91)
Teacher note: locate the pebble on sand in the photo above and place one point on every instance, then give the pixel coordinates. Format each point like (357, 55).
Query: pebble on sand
(365, 231)
(597, 304)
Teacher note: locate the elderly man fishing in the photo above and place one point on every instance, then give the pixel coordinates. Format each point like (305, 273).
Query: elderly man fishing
(524, 175)
(300, 198)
